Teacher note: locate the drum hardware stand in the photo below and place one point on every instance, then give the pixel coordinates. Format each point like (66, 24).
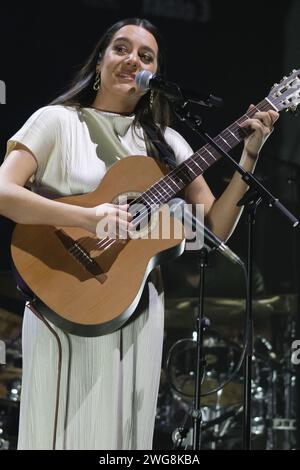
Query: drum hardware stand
(289, 384)
(281, 378)
(271, 409)
(256, 193)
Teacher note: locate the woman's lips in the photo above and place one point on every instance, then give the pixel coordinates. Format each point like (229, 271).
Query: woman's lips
(126, 76)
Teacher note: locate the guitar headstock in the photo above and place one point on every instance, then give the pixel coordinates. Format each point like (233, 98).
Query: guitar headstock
(286, 94)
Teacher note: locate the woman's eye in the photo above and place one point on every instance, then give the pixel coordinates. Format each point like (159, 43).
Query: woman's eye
(146, 58)
(120, 49)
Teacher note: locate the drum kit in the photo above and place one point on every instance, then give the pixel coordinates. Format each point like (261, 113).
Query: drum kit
(11, 367)
(273, 377)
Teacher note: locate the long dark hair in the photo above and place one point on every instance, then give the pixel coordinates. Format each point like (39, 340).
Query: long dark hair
(82, 94)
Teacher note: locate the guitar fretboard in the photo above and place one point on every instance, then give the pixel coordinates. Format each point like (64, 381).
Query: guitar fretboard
(170, 185)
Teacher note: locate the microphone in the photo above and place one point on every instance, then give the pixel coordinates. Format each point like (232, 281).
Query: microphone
(151, 81)
(179, 208)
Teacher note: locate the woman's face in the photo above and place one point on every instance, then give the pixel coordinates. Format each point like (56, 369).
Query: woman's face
(131, 50)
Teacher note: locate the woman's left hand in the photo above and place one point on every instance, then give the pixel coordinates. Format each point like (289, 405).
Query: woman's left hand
(261, 126)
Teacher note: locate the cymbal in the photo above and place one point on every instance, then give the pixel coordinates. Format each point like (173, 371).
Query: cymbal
(182, 312)
(281, 304)
(229, 395)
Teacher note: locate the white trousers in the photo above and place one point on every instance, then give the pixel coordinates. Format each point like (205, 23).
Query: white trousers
(109, 384)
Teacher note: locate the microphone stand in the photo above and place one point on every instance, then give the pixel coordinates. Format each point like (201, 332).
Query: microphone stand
(201, 323)
(252, 199)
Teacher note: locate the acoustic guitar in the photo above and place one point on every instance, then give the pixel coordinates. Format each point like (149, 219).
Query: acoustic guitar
(89, 286)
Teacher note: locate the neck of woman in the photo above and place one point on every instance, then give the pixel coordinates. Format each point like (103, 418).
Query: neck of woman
(119, 105)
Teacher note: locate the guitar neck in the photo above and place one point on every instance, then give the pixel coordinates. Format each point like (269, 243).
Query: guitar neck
(166, 188)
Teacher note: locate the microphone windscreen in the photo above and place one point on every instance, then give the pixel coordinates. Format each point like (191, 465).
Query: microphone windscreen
(143, 78)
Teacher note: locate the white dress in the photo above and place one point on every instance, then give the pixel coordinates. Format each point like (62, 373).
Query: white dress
(109, 384)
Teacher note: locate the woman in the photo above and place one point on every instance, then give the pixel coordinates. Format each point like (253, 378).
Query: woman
(109, 384)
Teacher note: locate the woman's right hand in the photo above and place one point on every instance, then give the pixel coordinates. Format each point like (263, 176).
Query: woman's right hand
(111, 220)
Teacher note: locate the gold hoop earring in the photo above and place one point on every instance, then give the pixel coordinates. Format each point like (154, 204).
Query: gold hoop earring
(97, 82)
(151, 99)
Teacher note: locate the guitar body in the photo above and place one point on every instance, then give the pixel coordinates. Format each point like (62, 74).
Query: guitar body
(92, 302)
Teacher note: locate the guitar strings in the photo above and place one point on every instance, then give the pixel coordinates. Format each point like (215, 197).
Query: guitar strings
(107, 241)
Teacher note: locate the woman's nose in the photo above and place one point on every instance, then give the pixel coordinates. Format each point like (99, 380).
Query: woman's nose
(133, 58)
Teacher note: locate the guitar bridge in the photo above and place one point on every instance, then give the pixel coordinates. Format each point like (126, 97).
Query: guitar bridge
(81, 256)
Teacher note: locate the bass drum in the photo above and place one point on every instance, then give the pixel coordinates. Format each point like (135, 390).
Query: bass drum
(220, 359)
(222, 411)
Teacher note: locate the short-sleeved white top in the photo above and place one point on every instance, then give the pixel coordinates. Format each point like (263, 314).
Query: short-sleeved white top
(68, 157)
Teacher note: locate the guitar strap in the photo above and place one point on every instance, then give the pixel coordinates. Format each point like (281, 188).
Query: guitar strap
(163, 152)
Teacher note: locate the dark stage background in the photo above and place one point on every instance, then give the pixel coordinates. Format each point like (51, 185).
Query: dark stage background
(235, 50)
